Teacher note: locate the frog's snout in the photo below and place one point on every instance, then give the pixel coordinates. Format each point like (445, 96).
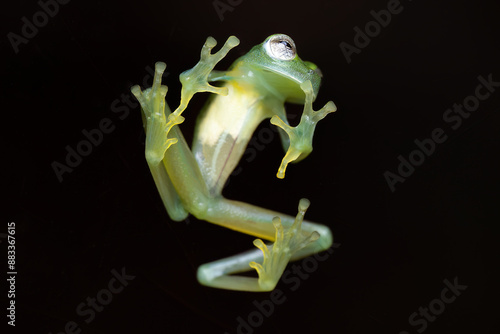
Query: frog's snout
(314, 68)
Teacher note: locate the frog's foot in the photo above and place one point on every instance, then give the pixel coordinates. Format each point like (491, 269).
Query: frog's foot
(301, 135)
(157, 127)
(195, 80)
(288, 241)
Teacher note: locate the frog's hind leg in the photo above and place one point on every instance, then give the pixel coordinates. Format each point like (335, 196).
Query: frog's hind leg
(293, 239)
(161, 127)
(154, 115)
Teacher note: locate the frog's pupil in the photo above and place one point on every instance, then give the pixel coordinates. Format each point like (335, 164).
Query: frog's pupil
(285, 43)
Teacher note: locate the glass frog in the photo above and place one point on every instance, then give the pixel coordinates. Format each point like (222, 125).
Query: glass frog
(190, 181)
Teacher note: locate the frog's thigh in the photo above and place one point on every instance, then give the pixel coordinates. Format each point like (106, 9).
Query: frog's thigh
(256, 221)
(190, 186)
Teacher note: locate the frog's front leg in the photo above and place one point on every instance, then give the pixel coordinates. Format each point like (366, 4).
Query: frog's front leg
(300, 136)
(196, 80)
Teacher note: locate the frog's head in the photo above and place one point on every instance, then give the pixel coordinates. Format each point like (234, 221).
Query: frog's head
(281, 69)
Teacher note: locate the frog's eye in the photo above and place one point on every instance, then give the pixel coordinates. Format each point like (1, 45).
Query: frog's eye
(280, 47)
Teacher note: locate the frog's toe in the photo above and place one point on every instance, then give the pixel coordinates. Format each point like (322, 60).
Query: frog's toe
(210, 43)
(152, 100)
(297, 240)
(160, 67)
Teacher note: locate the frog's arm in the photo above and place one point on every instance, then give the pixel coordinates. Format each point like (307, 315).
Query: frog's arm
(300, 136)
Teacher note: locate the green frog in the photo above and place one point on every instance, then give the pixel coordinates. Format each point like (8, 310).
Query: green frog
(190, 180)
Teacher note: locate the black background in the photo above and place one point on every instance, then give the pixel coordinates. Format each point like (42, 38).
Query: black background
(396, 248)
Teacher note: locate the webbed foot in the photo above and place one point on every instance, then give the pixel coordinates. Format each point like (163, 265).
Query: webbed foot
(301, 135)
(195, 80)
(153, 106)
(287, 242)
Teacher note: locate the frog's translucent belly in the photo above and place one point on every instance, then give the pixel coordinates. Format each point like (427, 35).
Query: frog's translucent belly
(224, 131)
